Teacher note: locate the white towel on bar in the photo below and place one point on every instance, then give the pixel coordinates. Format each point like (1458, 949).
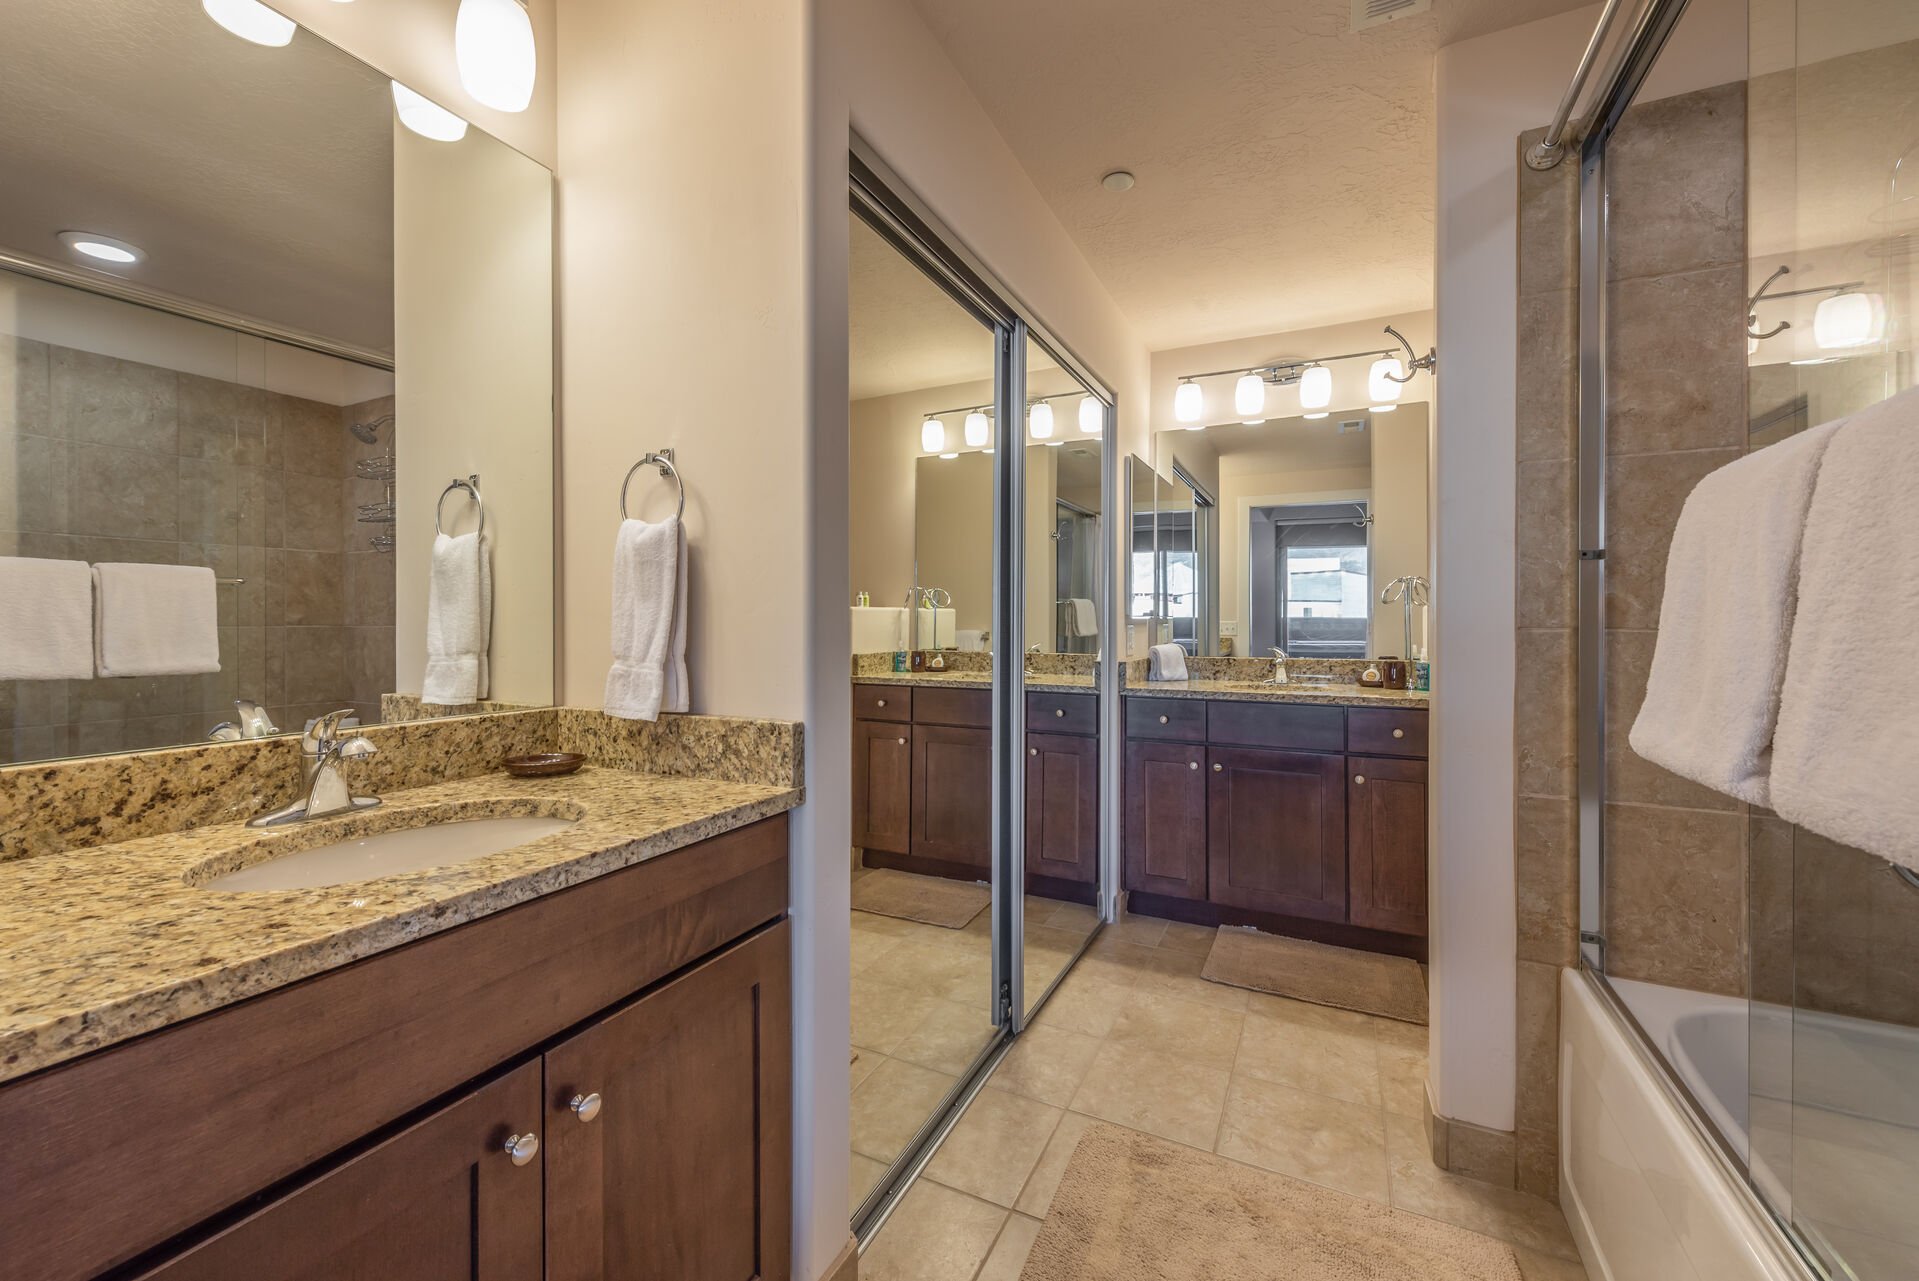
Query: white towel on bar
(1712, 697)
(1846, 757)
(1081, 618)
(649, 621)
(155, 620)
(459, 620)
(46, 619)
(1166, 663)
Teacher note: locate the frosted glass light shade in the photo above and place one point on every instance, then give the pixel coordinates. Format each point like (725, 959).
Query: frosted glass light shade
(1039, 420)
(1092, 415)
(251, 20)
(932, 435)
(428, 119)
(1316, 387)
(493, 45)
(1380, 387)
(1848, 320)
(1249, 396)
(1189, 402)
(978, 429)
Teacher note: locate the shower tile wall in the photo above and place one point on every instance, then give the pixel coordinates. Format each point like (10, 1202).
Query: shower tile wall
(103, 459)
(1675, 883)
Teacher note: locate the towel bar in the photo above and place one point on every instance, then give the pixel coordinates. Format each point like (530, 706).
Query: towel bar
(664, 461)
(472, 486)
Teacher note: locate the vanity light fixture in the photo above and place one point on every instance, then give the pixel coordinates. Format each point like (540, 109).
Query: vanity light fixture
(426, 118)
(1383, 384)
(978, 429)
(933, 436)
(1039, 420)
(1092, 415)
(493, 45)
(949, 456)
(251, 20)
(103, 248)
(1249, 396)
(1315, 389)
(1848, 320)
(1189, 402)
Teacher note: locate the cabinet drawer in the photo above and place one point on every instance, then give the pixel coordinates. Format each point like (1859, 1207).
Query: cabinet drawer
(882, 702)
(1290, 725)
(969, 707)
(1062, 713)
(1386, 731)
(1183, 719)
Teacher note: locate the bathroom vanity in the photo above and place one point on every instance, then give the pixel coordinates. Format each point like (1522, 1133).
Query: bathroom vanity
(1297, 812)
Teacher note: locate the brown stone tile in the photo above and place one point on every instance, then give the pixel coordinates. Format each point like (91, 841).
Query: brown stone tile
(1534, 1266)
(1548, 386)
(1205, 1034)
(316, 669)
(934, 1234)
(1174, 973)
(884, 1014)
(891, 1105)
(862, 1176)
(1548, 550)
(994, 1147)
(1676, 184)
(1037, 1197)
(1147, 931)
(1010, 1251)
(38, 495)
(1675, 897)
(1182, 937)
(948, 1038)
(1546, 868)
(1545, 713)
(1630, 777)
(1474, 1152)
(1548, 222)
(1423, 1188)
(1538, 1163)
(311, 438)
(209, 501)
(1172, 1097)
(102, 400)
(1341, 1064)
(1856, 941)
(123, 493)
(1402, 1078)
(1083, 1004)
(24, 403)
(1046, 1063)
(1676, 362)
(312, 509)
(211, 414)
(305, 588)
(1536, 1071)
(1309, 1136)
(1644, 493)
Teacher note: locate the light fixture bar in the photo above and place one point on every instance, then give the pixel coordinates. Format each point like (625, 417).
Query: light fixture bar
(1272, 368)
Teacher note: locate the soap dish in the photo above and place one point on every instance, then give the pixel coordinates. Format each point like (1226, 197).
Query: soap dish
(543, 764)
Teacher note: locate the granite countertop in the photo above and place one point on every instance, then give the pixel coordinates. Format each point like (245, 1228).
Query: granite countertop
(104, 944)
(1053, 684)
(1258, 692)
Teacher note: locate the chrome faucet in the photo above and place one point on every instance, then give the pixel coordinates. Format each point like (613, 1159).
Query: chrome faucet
(1279, 676)
(322, 751)
(250, 720)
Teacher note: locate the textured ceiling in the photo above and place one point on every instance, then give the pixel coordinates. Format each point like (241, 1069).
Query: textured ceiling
(257, 180)
(1285, 165)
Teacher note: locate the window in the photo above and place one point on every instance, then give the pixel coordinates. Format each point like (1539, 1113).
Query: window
(1324, 572)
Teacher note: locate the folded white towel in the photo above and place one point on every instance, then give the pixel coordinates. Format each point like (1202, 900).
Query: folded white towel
(155, 620)
(1082, 619)
(649, 621)
(1846, 756)
(46, 620)
(459, 620)
(1166, 663)
(1712, 697)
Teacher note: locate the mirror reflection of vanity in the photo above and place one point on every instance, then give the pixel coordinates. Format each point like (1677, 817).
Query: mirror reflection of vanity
(260, 326)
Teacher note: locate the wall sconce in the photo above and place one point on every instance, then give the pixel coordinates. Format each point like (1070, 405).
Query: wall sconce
(1391, 370)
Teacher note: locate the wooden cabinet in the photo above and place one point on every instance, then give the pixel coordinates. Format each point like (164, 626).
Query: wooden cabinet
(1166, 819)
(883, 786)
(953, 797)
(1062, 807)
(667, 1129)
(1386, 805)
(1276, 832)
(442, 1200)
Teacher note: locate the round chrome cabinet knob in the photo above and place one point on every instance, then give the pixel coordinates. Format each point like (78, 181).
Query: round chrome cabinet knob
(902, 742)
(1219, 769)
(1399, 733)
(1032, 751)
(1059, 711)
(1360, 779)
(1162, 720)
(585, 1106)
(1192, 764)
(882, 703)
(522, 1147)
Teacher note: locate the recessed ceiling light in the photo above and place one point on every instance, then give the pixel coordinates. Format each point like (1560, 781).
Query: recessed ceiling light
(102, 248)
(251, 20)
(1118, 180)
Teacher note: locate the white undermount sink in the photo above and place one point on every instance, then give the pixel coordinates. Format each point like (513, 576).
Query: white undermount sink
(429, 843)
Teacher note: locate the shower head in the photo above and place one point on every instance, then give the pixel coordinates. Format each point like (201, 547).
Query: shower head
(369, 432)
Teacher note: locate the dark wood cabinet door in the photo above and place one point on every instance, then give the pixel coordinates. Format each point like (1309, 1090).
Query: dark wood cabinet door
(1166, 819)
(882, 786)
(1062, 807)
(441, 1200)
(1386, 800)
(1276, 832)
(953, 796)
(683, 1173)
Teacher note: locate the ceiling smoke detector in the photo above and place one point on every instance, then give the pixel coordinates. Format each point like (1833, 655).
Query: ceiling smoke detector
(1375, 13)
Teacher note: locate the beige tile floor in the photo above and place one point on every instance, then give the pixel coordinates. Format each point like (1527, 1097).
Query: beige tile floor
(1137, 1038)
(921, 1015)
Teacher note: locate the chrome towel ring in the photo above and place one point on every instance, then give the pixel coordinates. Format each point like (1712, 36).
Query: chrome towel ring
(664, 461)
(472, 486)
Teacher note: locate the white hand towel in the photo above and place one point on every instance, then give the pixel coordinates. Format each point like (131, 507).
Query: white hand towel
(1166, 663)
(1712, 697)
(1846, 757)
(155, 620)
(1082, 618)
(649, 621)
(459, 621)
(46, 619)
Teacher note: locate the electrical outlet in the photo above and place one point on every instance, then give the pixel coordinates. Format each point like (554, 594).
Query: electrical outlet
(1229, 627)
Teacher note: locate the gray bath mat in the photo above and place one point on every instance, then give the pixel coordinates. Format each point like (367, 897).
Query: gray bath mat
(931, 900)
(1369, 982)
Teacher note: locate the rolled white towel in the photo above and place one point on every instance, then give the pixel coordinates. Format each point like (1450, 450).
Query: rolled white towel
(1166, 663)
(53, 639)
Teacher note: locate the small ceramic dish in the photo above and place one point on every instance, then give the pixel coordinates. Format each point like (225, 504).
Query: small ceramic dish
(543, 765)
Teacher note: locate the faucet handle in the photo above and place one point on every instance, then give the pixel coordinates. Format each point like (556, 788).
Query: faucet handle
(324, 730)
(359, 747)
(1279, 653)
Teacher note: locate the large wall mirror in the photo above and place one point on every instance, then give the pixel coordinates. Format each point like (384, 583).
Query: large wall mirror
(260, 308)
(1299, 534)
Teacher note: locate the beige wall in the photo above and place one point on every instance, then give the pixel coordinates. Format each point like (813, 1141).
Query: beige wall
(953, 535)
(1401, 544)
(473, 343)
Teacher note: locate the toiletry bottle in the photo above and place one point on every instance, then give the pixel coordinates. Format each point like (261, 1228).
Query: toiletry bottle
(899, 660)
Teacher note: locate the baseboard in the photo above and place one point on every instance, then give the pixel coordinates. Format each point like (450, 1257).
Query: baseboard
(1472, 1151)
(846, 1264)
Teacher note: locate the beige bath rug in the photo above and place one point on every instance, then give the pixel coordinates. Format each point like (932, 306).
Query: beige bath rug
(931, 900)
(1341, 976)
(1135, 1208)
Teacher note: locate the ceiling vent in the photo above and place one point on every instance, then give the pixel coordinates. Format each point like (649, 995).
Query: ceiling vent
(1352, 425)
(1374, 13)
